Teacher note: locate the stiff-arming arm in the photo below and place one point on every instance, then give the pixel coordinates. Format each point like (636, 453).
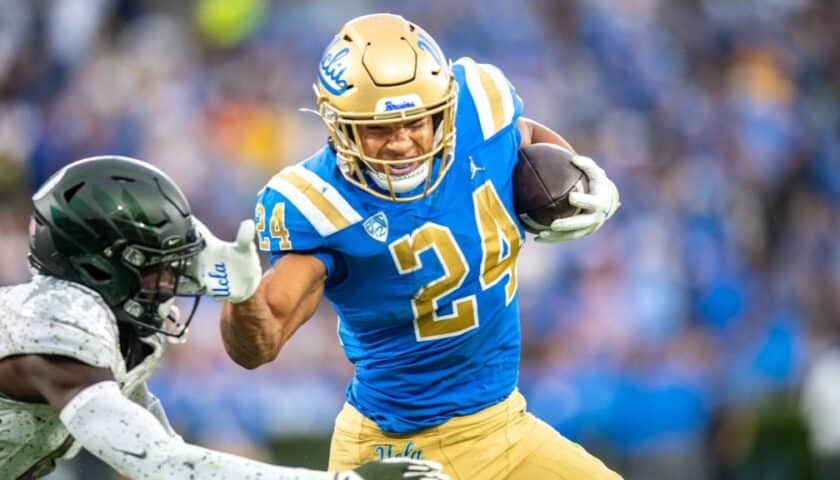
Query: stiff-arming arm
(259, 316)
(254, 330)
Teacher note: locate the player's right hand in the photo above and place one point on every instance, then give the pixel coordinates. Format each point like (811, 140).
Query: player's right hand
(396, 469)
(231, 271)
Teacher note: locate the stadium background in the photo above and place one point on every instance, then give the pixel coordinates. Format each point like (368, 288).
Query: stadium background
(675, 343)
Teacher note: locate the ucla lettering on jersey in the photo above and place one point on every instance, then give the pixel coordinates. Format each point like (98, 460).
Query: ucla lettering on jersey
(425, 291)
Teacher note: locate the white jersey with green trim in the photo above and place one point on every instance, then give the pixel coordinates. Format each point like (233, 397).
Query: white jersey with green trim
(50, 316)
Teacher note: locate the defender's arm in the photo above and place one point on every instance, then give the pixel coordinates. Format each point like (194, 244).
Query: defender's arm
(120, 432)
(253, 331)
(131, 440)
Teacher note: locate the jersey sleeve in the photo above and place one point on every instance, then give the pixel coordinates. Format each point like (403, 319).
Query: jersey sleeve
(62, 319)
(487, 94)
(298, 211)
(141, 395)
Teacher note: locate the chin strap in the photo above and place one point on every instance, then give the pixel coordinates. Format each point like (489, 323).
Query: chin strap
(381, 179)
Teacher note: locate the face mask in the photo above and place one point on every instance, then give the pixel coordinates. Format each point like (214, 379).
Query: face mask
(168, 307)
(171, 315)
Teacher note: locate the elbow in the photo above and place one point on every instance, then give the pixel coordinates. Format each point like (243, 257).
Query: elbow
(248, 363)
(255, 356)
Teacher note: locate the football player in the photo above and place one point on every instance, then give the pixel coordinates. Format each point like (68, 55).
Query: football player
(405, 222)
(112, 245)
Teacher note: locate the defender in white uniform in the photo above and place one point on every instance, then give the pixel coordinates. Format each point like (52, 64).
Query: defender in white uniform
(112, 244)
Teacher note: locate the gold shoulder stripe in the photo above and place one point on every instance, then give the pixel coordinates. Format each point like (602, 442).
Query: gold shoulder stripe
(494, 98)
(491, 94)
(317, 198)
(318, 201)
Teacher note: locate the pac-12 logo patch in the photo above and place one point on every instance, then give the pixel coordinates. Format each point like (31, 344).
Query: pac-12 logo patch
(377, 226)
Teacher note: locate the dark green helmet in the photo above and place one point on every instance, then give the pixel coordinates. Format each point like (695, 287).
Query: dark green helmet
(122, 228)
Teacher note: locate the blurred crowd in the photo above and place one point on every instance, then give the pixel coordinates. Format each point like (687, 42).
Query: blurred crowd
(675, 341)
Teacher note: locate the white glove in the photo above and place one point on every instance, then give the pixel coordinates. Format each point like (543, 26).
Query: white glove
(230, 271)
(596, 206)
(397, 468)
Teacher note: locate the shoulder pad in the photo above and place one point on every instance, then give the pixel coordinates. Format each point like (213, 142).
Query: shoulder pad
(65, 319)
(496, 101)
(297, 209)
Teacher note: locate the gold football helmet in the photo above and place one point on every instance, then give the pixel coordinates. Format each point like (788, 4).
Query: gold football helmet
(382, 69)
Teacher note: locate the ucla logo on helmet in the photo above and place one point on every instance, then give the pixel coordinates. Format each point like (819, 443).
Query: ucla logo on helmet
(429, 45)
(332, 69)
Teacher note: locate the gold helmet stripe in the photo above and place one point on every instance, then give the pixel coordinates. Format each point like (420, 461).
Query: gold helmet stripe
(319, 202)
(490, 93)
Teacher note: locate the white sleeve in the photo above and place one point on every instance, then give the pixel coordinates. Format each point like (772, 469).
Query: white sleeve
(141, 395)
(133, 442)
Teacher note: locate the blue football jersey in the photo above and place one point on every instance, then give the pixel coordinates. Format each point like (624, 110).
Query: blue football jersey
(426, 290)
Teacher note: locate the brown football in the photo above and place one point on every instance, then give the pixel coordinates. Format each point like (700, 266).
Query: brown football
(542, 181)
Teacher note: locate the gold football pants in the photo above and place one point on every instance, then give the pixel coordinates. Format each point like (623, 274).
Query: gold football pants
(503, 441)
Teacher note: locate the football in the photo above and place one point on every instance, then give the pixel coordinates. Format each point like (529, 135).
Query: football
(543, 179)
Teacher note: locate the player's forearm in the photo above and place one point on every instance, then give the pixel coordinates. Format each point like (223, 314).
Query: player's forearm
(250, 332)
(131, 440)
(254, 330)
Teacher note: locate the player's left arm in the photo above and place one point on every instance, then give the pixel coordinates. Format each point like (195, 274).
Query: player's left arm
(597, 205)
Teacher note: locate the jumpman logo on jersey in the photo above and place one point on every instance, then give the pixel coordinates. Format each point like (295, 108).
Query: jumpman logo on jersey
(474, 168)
